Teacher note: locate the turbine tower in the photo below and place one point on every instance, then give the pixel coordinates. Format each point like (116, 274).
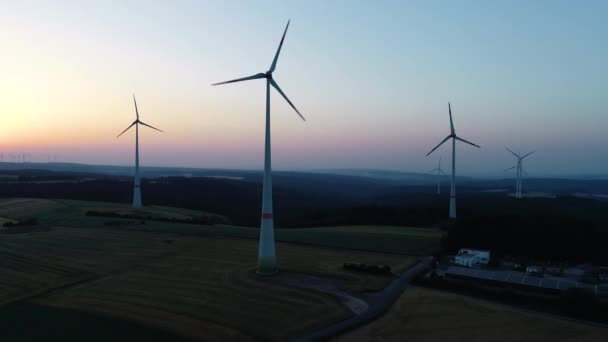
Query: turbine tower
(439, 173)
(266, 253)
(136, 178)
(454, 137)
(519, 172)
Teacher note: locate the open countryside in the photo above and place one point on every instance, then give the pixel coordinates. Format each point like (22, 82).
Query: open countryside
(181, 276)
(424, 315)
(303, 171)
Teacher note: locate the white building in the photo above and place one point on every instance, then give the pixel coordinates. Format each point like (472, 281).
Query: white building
(469, 257)
(535, 270)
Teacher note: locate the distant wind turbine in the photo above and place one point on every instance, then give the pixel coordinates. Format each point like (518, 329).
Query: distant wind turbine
(136, 180)
(454, 137)
(519, 172)
(439, 173)
(266, 254)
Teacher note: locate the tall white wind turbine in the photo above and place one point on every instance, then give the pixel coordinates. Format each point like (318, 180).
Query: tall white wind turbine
(136, 178)
(454, 137)
(266, 253)
(439, 172)
(519, 172)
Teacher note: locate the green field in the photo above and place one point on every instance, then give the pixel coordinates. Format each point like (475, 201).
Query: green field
(385, 239)
(191, 280)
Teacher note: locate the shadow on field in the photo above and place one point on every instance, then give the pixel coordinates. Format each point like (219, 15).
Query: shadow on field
(31, 322)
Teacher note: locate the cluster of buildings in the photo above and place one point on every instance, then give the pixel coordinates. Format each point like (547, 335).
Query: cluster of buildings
(469, 263)
(468, 257)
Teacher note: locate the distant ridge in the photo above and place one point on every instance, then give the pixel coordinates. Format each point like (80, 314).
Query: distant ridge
(410, 177)
(393, 177)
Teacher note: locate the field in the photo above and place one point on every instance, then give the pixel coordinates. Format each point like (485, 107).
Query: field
(190, 280)
(422, 315)
(386, 239)
(19, 208)
(68, 213)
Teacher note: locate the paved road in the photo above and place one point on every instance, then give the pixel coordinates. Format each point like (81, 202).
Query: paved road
(378, 304)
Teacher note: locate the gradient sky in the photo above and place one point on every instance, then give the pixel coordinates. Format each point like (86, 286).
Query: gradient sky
(373, 78)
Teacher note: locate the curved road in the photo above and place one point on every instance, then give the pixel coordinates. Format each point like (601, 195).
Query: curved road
(379, 302)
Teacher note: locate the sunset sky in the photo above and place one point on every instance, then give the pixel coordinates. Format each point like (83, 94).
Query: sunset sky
(373, 79)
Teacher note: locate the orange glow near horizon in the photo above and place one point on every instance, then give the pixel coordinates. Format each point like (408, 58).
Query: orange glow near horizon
(374, 90)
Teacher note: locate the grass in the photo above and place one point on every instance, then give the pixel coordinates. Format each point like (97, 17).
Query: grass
(195, 281)
(386, 239)
(422, 315)
(22, 208)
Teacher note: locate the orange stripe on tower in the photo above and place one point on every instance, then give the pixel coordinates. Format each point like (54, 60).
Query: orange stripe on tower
(266, 216)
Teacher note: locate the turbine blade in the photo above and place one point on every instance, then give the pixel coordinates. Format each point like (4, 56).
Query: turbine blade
(451, 121)
(253, 77)
(515, 154)
(527, 154)
(123, 132)
(524, 171)
(441, 143)
(145, 124)
(276, 56)
(468, 142)
(511, 168)
(136, 111)
(276, 86)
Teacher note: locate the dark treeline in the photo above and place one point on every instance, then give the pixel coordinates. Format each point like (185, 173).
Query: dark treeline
(202, 219)
(45, 175)
(311, 202)
(551, 238)
(563, 227)
(239, 201)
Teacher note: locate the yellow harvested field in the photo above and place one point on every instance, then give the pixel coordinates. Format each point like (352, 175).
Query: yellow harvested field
(204, 288)
(193, 281)
(34, 262)
(423, 315)
(210, 283)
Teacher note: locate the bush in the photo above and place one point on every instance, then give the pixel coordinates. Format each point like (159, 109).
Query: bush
(202, 220)
(27, 222)
(374, 269)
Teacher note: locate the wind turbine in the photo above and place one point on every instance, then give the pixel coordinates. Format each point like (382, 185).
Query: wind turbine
(519, 173)
(136, 180)
(454, 137)
(440, 173)
(266, 253)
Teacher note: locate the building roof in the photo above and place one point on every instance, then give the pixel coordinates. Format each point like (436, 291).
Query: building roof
(465, 255)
